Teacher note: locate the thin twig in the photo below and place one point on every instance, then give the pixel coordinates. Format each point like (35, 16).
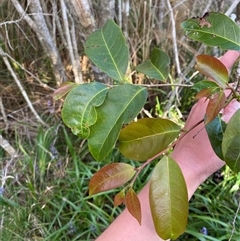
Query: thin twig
(174, 38)
(7, 146)
(162, 85)
(4, 178)
(75, 51)
(234, 221)
(23, 92)
(28, 72)
(232, 7)
(24, 16)
(176, 54)
(3, 113)
(59, 26)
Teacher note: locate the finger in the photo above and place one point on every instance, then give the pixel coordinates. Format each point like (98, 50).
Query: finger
(229, 58)
(230, 109)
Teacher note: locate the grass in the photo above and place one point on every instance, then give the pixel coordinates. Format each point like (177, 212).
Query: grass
(45, 195)
(48, 195)
(213, 209)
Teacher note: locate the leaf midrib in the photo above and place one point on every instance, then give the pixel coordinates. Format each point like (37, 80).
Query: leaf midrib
(149, 136)
(104, 40)
(216, 35)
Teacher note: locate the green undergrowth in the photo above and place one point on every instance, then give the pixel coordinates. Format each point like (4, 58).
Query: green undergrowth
(45, 195)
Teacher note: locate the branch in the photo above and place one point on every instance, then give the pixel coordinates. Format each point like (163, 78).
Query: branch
(174, 38)
(74, 59)
(3, 113)
(175, 48)
(162, 85)
(24, 16)
(7, 147)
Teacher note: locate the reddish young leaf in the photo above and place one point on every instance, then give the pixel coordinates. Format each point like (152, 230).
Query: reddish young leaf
(213, 68)
(203, 93)
(110, 176)
(214, 106)
(133, 205)
(63, 90)
(119, 198)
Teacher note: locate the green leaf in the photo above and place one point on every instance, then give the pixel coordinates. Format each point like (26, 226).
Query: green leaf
(214, 29)
(213, 68)
(231, 142)
(205, 84)
(121, 106)
(168, 198)
(215, 130)
(147, 137)
(110, 176)
(215, 105)
(157, 67)
(133, 205)
(107, 49)
(65, 88)
(79, 108)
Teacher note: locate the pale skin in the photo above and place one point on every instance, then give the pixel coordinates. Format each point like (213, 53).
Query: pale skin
(196, 159)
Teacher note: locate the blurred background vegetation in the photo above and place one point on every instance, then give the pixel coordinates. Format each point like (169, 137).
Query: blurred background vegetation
(45, 169)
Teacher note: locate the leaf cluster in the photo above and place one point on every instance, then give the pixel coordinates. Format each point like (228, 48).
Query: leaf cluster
(105, 116)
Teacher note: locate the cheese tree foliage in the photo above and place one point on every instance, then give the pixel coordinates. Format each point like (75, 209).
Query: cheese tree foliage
(105, 115)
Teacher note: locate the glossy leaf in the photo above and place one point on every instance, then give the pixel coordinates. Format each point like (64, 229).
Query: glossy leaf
(215, 105)
(215, 130)
(79, 109)
(204, 93)
(205, 84)
(110, 176)
(63, 90)
(107, 49)
(133, 205)
(147, 137)
(119, 198)
(231, 142)
(157, 67)
(214, 29)
(121, 106)
(168, 198)
(212, 68)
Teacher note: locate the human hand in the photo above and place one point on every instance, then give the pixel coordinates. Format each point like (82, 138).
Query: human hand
(197, 161)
